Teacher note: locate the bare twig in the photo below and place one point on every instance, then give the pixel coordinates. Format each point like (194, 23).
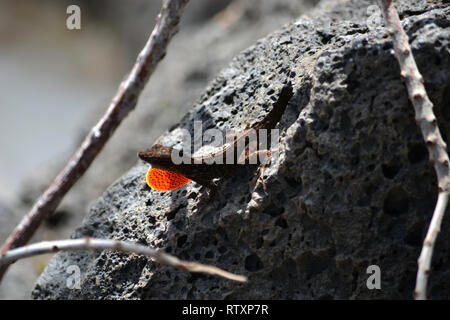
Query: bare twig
(424, 262)
(123, 102)
(123, 246)
(426, 120)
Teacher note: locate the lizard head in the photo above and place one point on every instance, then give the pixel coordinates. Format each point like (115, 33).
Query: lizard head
(158, 156)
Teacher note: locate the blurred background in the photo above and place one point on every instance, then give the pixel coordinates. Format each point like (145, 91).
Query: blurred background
(55, 83)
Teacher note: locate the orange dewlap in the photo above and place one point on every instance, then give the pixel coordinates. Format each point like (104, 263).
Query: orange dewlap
(163, 180)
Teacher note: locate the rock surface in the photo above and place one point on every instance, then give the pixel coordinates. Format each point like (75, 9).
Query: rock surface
(352, 186)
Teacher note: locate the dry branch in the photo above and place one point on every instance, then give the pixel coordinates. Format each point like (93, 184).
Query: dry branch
(436, 146)
(122, 246)
(123, 103)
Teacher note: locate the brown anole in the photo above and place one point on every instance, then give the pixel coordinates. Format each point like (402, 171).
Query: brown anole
(198, 169)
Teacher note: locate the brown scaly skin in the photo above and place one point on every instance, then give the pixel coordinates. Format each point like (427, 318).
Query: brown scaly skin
(160, 157)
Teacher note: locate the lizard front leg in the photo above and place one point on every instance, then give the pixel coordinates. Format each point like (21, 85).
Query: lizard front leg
(261, 169)
(212, 190)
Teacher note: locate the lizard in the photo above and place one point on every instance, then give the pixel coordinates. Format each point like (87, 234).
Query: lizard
(164, 175)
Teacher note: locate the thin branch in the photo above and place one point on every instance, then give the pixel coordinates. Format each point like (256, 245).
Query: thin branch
(428, 245)
(123, 103)
(122, 246)
(436, 146)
